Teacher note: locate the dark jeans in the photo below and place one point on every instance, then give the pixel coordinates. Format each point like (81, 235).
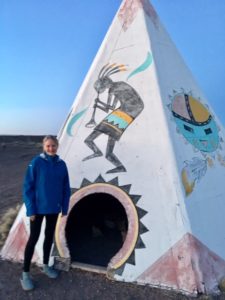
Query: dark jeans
(35, 229)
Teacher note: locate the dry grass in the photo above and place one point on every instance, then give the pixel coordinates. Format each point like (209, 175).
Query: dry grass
(6, 223)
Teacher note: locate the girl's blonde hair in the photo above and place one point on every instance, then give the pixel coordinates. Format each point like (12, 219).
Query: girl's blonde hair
(50, 137)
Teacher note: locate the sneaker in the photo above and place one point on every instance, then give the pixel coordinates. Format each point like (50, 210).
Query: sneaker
(26, 282)
(50, 272)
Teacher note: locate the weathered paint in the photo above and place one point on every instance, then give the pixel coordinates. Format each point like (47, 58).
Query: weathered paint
(189, 266)
(129, 10)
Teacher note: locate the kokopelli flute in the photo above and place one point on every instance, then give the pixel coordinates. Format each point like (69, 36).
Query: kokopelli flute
(92, 122)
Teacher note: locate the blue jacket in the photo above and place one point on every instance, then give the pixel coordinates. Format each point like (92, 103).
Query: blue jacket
(46, 188)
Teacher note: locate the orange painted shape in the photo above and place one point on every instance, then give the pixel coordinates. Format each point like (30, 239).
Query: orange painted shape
(188, 266)
(123, 115)
(200, 113)
(188, 185)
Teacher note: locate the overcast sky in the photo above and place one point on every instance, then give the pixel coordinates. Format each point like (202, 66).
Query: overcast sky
(47, 46)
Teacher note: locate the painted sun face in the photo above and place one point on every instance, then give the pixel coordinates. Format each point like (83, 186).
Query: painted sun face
(195, 123)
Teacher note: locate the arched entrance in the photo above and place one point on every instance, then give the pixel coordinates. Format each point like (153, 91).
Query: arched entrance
(87, 206)
(96, 229)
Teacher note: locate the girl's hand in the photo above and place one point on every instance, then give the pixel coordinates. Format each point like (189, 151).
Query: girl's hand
(32, 218)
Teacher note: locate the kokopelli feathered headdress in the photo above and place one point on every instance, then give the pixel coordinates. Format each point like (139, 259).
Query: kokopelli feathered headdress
(110, 69)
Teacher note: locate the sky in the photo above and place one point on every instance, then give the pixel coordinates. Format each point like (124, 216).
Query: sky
(47, 47)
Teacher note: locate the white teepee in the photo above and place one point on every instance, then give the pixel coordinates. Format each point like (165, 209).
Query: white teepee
(141, 132)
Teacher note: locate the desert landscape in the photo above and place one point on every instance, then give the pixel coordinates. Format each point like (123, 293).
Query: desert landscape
(15, 154)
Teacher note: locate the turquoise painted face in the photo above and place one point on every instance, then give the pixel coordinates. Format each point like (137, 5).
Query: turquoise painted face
(203, 137)
(195, 122)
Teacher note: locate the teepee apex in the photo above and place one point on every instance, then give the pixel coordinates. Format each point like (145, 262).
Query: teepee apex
(129, 10)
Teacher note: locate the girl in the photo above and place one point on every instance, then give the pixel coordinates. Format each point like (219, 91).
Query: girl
(46, 193)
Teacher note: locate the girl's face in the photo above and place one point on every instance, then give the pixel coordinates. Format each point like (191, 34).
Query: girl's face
(50, 147)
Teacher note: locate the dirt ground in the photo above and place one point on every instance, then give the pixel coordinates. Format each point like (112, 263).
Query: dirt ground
(15, 153)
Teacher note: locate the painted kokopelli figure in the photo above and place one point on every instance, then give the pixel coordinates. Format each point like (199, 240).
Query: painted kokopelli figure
(125, 104)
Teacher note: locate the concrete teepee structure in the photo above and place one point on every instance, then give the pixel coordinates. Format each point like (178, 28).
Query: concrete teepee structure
(146, 158)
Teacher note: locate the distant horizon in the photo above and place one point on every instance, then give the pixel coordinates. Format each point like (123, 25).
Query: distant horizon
(24, 134)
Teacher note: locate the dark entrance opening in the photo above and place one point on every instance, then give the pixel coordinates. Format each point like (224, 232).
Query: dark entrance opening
(96, 229)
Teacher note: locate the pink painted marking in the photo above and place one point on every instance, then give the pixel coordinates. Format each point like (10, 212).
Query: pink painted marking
(15, 244)
(179, 106)
(189, 266)
(129, 10)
